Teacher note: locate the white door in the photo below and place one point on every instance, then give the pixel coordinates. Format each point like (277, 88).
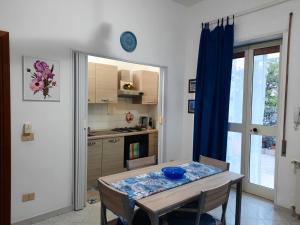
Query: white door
(253, 116)
(80, 134)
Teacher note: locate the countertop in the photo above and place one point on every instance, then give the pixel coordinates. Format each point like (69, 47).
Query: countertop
(100, 134)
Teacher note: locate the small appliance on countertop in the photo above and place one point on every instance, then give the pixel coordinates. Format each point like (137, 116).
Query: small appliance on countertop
(144, 122)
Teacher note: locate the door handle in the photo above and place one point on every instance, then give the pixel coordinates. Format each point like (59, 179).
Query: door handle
(254, 130)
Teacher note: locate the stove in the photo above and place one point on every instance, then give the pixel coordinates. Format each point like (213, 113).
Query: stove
(127, 129)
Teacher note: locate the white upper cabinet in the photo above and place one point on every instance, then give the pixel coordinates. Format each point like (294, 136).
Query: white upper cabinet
(147, 82)
(103, 83)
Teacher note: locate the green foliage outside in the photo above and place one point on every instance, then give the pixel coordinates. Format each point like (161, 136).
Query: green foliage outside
(272, 84)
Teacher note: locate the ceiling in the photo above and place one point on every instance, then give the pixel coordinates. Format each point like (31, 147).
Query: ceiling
(187, 2)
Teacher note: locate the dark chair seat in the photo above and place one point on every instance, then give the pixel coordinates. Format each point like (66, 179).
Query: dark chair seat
(186, 218)
(174, 218)
(140, 218)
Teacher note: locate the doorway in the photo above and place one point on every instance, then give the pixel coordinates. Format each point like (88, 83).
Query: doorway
(5, 131)
(253, 116)
(83, 102)
(122, 119)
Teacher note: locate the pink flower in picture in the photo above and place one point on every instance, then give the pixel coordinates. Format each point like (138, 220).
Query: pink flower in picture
(36, 85)
(42, 79)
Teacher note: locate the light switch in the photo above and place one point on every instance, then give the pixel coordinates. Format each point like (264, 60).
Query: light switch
(27, 128)
(27, 134)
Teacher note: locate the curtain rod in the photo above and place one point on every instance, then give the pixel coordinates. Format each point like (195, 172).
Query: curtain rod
(248, 11)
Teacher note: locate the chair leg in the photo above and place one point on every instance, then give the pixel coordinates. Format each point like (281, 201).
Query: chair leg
(198, 218)
(103, 215)
(164, 219)
(224, 208)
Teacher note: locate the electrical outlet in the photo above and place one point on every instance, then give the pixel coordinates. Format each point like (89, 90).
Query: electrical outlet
(28, 197)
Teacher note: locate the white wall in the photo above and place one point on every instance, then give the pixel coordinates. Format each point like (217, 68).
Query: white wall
(261, 24)
(50, 29)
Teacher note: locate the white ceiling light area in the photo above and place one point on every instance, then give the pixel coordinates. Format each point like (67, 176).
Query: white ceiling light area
(187, 2)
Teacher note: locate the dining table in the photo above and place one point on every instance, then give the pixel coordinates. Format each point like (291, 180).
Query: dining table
(162, 203)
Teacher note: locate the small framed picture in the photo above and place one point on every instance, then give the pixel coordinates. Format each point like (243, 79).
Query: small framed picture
(192, 85)
(41, 79)
(191, 106)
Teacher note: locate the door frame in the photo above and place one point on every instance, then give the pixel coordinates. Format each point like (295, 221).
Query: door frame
(78, 156)
(247, 100)
(5, 131)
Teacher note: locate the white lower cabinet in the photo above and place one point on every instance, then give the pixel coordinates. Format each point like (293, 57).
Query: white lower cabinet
(113, 156)
(94, 162)
(105, 157)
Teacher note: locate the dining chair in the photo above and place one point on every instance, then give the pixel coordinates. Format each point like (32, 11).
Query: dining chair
(214, 162)
(141, 162)
(207, 201)
(118, 203)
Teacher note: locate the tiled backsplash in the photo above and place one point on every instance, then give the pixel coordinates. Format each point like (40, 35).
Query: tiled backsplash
(107, 116)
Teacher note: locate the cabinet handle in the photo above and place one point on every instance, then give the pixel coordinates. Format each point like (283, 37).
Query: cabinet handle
(106, 100)
(115, 140)
(91, 143)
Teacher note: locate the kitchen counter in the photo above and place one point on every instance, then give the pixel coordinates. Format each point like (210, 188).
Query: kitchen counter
(100, 134)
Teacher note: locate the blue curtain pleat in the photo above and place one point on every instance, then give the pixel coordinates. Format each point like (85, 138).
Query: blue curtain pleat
(213, 92)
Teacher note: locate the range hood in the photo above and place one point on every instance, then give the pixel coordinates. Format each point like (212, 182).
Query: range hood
(126, 88)
(129, 93)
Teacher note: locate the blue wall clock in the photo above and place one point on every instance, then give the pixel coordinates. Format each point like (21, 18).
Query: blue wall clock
(128, 41)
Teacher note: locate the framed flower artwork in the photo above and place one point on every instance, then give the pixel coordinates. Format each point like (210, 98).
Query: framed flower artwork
(41, 79)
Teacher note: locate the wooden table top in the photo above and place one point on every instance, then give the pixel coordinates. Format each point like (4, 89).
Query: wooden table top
(166, 201)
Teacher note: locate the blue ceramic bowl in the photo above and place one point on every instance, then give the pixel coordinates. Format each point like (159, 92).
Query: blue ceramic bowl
(173, 172)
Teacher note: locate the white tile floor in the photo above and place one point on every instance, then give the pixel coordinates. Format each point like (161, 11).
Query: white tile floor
(255, 211)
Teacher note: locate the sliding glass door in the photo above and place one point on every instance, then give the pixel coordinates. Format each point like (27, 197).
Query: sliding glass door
(236, 109)
(253, 116)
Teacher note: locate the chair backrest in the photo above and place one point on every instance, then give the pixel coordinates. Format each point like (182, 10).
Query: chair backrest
(115, 201)
(213, 198)
(214, 162)
(141, 162)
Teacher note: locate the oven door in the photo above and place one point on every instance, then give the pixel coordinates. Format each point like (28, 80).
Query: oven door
(135, 146)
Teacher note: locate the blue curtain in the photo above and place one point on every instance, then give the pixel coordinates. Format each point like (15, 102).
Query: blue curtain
(213, 91)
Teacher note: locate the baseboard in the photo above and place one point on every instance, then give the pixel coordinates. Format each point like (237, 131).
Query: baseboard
(282, 208)
(45, 216)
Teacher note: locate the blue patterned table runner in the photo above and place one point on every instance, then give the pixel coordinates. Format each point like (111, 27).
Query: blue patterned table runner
(151, 183)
